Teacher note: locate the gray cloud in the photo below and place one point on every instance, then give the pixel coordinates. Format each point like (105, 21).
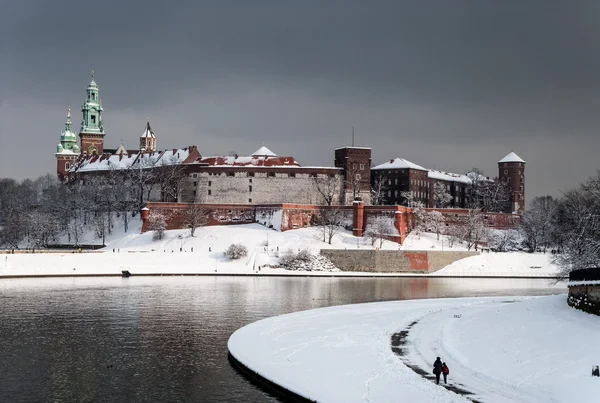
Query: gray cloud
(456, 84)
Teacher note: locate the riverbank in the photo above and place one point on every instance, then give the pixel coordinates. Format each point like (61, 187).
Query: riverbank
(180, 254)
(498, 349)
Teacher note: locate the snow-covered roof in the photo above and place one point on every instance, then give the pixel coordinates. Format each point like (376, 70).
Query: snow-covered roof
(174, 156)
(234, 160)
(448, 176)
(263, 152)
(398, 163)
(360, 148)
(512, 157)
(148, 132)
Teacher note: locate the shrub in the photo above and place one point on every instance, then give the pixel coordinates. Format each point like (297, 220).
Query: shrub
(236, 251)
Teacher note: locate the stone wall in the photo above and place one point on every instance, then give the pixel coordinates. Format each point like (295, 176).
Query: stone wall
(265, 187)
(585, 297)
(388, 261)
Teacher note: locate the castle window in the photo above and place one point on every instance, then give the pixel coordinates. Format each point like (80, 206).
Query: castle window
(506, 172)
(292, 175)
(250, 174)
(195, 175)
(194, 193)
(93, 119)
(249, 188)
(357, 177)
(353, 166)
(230, 173)
(209, 192)
(67, 165)
(249, 200)
(271, 174)
(195, 184)
(362, 166)
(209, 183)
(249, 180)
(508, 179)
(396, 181)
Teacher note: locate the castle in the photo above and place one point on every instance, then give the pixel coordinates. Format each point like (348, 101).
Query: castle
(264, 177)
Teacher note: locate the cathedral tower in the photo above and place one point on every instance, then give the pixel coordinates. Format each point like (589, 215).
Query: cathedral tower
(67, 150)
(92, 126)
(511, 169)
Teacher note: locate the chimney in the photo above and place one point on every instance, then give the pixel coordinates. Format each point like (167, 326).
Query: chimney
(392, 161)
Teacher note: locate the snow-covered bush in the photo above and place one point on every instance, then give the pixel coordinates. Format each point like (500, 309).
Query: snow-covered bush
(236, 251)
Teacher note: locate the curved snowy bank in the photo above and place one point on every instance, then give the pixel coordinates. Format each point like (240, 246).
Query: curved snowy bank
(501, 349)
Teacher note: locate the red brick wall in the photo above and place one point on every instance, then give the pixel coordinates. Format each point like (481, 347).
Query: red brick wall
(218, 214)
(492, 220)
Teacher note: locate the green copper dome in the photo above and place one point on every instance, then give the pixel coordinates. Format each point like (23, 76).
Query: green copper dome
(68, 139)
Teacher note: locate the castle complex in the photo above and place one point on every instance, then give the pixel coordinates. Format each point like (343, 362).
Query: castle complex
(264, 177)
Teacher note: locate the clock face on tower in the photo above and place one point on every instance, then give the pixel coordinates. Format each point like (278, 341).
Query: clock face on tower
(92, 150)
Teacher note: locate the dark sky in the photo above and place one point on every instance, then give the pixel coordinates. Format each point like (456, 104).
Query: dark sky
(455, 84)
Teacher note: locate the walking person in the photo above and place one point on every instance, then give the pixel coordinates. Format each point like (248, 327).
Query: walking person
(437, 370)
(445, 372)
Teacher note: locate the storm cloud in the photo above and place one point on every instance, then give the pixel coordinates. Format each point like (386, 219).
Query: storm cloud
(455, 84)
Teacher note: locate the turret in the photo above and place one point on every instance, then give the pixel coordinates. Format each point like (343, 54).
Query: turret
(67, 150)
(511, 169)
(148, 139)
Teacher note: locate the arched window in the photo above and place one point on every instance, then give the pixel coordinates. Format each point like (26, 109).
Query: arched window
(67, 165)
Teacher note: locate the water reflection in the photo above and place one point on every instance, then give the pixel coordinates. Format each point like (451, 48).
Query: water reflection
(165, 339)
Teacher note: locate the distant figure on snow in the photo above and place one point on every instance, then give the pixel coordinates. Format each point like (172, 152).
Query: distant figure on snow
(437, 369)
(445, 371)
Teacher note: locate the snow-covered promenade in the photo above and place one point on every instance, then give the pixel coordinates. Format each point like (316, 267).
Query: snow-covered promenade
(517, 349)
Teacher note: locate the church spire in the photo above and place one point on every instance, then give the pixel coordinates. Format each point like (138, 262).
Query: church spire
(68, 123)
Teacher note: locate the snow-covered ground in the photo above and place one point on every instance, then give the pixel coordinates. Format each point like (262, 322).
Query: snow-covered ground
(511, 349)
(203, 253)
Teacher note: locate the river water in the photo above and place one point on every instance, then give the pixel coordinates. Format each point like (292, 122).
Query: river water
(164, 339)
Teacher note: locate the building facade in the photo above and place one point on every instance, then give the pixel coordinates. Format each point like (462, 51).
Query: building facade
(264, 177)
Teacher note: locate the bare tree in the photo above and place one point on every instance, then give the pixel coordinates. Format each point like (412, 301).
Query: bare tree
(504, 240)
(330, 222)
(195, 216)
(171, 178)
(353, 182)
(158, 225)
(328, 187)
(377, 190)
(378, 229)
(436, 222)
(473, 228)
(496, 195)
(441, 197)
(576, 227)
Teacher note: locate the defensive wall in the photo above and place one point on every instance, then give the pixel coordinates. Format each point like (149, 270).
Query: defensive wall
(584, 290)
(287, 216)
(391, 261)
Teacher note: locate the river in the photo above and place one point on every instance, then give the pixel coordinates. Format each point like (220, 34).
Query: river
(164, 339)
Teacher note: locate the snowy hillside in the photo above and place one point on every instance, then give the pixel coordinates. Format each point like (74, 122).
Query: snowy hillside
(178, 252)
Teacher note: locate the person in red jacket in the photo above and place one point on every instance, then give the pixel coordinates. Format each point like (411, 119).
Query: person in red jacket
(445, 371)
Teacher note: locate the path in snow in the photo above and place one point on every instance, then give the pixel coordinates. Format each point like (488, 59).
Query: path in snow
(400, 348)
(517, 349)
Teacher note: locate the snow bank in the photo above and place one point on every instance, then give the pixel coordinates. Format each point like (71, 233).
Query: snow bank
(503, 264)
(501, 349)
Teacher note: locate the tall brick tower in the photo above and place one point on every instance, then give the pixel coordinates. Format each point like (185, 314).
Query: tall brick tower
(92, 126)
(511, 169)
(356, 162)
